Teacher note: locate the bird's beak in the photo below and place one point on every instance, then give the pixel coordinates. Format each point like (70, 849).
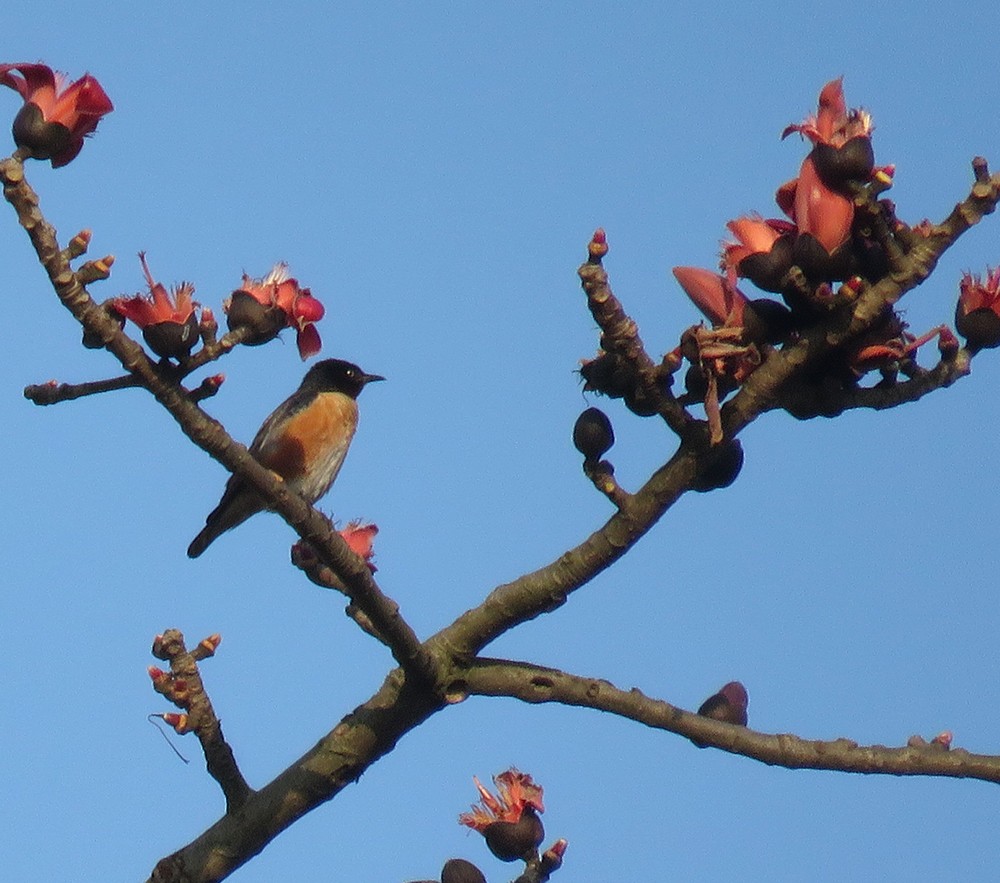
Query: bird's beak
(371, 378)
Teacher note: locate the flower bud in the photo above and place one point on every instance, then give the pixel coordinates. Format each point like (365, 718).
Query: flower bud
(723, 470)
(458, 870)
(593, 435)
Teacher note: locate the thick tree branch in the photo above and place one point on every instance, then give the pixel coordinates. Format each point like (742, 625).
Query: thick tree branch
(361, 738)
(533, 683)
(804, 400)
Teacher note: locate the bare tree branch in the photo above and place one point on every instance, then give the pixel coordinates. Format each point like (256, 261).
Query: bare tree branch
(533, 683)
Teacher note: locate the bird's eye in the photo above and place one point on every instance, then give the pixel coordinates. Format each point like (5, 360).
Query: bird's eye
(350, 372)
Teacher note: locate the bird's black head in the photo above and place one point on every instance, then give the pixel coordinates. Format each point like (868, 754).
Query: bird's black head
(336, 375)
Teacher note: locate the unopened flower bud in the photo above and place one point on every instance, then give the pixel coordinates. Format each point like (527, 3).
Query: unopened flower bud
(78, 244)
(458, 870)
(178, 721)
(210, 644)
(552, 858)
(728, 705)
(598, 246)
(723, 470)
(593, 435)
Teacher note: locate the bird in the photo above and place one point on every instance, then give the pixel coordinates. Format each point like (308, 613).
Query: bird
(304, 441)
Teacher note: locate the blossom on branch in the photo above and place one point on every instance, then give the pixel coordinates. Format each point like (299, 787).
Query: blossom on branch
(56, 116)
(266, 306)
(977, 315)
(509, 820)
(761, 252)
(167, 320)
(719, 300)
(819, 199)
(728, 705)
(360, 539)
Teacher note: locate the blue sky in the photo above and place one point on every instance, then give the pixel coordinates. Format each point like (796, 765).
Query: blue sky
(433, 173)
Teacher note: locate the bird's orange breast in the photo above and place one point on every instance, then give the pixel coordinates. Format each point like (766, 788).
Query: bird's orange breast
(312, 442)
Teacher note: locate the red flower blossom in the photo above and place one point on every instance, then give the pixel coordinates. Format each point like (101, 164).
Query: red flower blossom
(841, 156)
(508, 822)
(815, 208)
(977, 315)
(56, 117)
(515, 792)
(167, 320)
(754, 253)
(361, 540)
(277, 301)
(833, 123)
(722, 302)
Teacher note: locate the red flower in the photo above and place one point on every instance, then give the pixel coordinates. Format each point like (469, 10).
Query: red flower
(818, 200)
(277, 301)
(815, 208)
(977, 315)
(55, 117)
(833, 123)
(509, 821)
(515, 791)
(167, 320)
(721, 301)
(361, 540)
(762, 251)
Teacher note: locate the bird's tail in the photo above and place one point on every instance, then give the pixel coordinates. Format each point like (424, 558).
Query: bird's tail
(238, 504)
(201, 542)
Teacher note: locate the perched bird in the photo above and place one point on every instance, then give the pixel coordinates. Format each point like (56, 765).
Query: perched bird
(304, 441)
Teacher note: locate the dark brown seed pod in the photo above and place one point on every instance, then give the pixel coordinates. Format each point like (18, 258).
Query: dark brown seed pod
(767, 269)
(723, 470)
(640, 404)
(172, 339)
(980, 328)
(31, 132)
(767, 321)
(838, 167)
(593, 434)
(818, 264)
(458, 870)
(510, 841)
(264, 322)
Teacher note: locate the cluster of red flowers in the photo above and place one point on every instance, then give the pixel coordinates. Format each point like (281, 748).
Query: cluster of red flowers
(821, 243)
(53, 121)
(263, 306)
